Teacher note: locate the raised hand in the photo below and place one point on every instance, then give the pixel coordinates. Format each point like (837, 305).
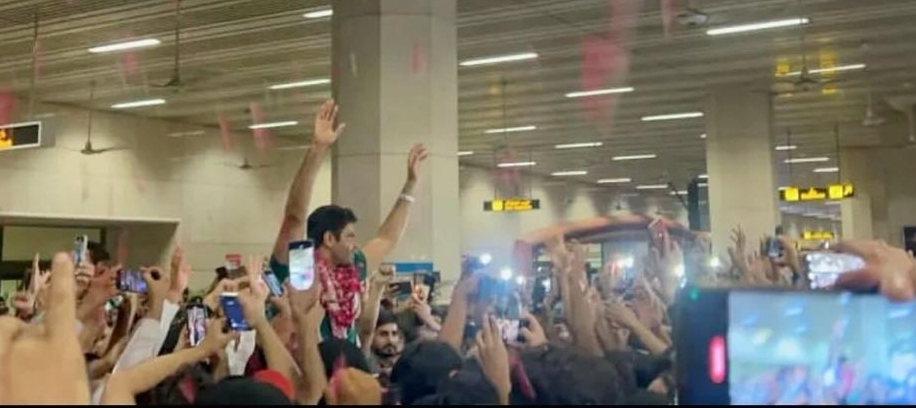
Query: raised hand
(493, 357)
(179, 274)
(326, 130)
(889, 269)
(415, 158)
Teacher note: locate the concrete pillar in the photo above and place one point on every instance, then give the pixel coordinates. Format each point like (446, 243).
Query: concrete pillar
(395, 78)
(856, 211)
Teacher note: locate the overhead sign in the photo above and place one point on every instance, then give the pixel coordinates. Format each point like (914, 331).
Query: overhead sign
(831, 192)
(20, 136)
(817, 235)
(512, 205)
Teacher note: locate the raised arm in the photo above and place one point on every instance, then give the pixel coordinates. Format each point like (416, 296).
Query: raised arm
(300, 192)
(391, 230)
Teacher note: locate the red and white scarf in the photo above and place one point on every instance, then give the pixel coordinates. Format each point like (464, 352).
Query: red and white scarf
(341, 294)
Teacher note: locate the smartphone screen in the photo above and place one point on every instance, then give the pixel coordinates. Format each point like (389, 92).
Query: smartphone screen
(131, 280)
(235, 316)
(402, 290)
(301, 264)
(273, 284)
(825, 267)
(197, 324)
(777, 347)
(80, 247)
(508, 330)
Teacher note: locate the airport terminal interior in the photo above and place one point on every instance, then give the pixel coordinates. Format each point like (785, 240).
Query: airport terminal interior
(451, 202)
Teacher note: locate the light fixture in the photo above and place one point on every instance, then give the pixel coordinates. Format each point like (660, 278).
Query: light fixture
(634, 157)
(569, 173)
(766, 25)
(596, 92)
(703, 136)
(505, 273)
(138, 104)
(806, 160)
(840, 68)
(652, 187)
(510, 129)
(826, 169)
(301, 84)
(465, 153)
(618, 180)
(127, 45)
(294, 147)
(703, 176)
(499, 59)
(702, 185)
(516, 164)
(714, 262)
(578, 145)
(672, 116)
(485, 258)
(786, 147)
(271, 125)
(679, 192)
(191, 133)
(320, 13)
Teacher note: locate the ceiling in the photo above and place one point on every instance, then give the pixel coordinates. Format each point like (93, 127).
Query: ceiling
(232, 50)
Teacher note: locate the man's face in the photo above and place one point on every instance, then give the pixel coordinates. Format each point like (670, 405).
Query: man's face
(342, 250)
(387, 340)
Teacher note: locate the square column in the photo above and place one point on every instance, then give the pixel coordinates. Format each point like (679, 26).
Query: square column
(395, 77)
(856, 211)
(739, 162)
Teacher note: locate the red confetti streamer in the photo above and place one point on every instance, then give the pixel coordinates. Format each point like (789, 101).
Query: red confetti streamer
(36, 54)
(507, 179)
(225, 133)
(130, 63)
(257, 117)
(123, 250)
(7, 107)
(418, 59)
(597, 60)
(668, 14)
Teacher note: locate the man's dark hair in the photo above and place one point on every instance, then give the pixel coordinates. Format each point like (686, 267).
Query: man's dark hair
(421, 367)
(385, 317)
(560, 375)
(328, 218)
(97, 253)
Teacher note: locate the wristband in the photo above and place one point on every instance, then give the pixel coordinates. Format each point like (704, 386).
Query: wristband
(407, 197)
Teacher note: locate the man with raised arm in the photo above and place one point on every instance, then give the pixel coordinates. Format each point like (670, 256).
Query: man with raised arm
(341, 267)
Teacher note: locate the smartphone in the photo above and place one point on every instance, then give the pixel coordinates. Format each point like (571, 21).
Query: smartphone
(80, 248)
(197, 323)
(773, 248)
(402, 290)
(131, 280)
(824, 267)
(235, 316)
(273, 284)
(734, 343)
(301, 264)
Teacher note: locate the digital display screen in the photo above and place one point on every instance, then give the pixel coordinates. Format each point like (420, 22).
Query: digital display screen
(793, 348)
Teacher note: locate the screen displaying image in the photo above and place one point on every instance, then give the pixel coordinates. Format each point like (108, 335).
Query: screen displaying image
(820, 349)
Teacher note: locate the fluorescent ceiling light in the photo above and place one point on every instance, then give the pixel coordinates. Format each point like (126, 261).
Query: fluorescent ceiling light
(839, 68)
(766, 25)
(569, 173)
(271, 125)
(578, 145)
(702, 185)
(672, 116)
(786, 147)
(826, 169)
(499, 59)
(297, 147)
(679, 192)
(465, 153)
(191, 133)
(127, 45)
(301, 84)
(634, 157)
(510, 129)
(703, 136)
(322, 13)
(806, 160)
(138, 104)
(652, 187)
(516, 164)
(596, 92)
(619, 180)
(832, 203)
(703, 176)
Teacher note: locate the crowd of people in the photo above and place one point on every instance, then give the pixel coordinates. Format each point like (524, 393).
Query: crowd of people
(590, 337)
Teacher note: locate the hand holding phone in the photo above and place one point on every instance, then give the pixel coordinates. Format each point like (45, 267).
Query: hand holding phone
(197, 323)
(824, 267)
(273, 284)
(80, 249)
(131, 280)
(235, 316)
(301, 264)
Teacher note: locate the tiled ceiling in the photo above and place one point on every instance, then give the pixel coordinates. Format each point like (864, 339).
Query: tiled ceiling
(232, 50)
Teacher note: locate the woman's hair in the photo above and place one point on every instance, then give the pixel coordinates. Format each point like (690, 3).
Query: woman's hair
(169, 391)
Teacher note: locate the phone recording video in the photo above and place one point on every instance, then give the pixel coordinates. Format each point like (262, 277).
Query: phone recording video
(508, 313)
(235, 316)
(197, 324)
(824, 267)
(301, 264)
(273, 284)
(80, 248)
(402, 290)
(131, 281)
(770, 347)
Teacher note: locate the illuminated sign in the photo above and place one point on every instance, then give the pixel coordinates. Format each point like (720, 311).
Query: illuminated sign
(831, 192)
(817, 235)
(512, 205)
(20, 136)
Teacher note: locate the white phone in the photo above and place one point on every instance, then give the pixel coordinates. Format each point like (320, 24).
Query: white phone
(80, 249)
(301, 264)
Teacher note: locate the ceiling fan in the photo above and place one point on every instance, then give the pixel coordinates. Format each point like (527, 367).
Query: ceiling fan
(88, 149)
(175, 82)
(870, 119)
